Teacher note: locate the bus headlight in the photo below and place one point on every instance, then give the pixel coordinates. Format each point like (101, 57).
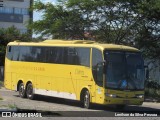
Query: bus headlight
(140, 96)
(111, 95)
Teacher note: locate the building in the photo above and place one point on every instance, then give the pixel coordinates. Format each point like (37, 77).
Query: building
(15, 13)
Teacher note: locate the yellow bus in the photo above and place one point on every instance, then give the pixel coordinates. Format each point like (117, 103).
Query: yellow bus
(79, 70)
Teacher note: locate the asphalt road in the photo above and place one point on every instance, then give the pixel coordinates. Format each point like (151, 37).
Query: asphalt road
(56, 107)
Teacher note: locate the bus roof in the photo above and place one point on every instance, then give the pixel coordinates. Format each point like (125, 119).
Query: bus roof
(76, 43)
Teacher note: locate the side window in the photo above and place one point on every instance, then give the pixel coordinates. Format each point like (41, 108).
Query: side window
(34, 51)
(97, 66)
(25, 54)
(9, 52)
(76, 56)
(72, 57)
(83, 55)
(65, 55)
(31, 54)
(54, 55)
(40, 54)
(15, 53)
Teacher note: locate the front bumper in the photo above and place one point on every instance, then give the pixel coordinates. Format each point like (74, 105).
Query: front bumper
(123, 101)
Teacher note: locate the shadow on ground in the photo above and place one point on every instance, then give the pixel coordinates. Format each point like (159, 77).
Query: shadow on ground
(101, 108)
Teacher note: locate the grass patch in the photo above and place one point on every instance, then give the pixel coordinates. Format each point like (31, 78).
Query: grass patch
(1, 83)
(12, 106)
(4, 106)
(9, 106)
(1, 98)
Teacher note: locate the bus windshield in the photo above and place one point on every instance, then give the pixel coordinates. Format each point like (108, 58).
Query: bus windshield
(124, 70)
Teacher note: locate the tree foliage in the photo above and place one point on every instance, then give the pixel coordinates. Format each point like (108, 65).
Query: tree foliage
(130, 22)
(9, 35)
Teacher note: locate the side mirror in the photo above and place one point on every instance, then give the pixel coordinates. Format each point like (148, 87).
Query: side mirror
(101, 65)
(99, 73)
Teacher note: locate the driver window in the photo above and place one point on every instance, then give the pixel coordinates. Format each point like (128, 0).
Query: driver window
(97, 66)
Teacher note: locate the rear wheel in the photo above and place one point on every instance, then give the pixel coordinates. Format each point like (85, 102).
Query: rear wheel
(86, 100)
(22, 92)
(29, 91)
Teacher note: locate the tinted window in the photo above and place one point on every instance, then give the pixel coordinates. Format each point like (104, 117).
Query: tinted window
(15, 53)
(54, 54)
(60, 55)
(29, 54)
(125, 70)
(25, 54)
(77, 56)
(72, 57)
(9, 52)
(83, 55)
(97, 67)
(41, 54)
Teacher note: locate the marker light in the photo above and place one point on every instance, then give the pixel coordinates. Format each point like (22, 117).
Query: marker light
(111, 95)
(140, 96)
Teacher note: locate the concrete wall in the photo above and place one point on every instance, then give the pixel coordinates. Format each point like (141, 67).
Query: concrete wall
(154, 69)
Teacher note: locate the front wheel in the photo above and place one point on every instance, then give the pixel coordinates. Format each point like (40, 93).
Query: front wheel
(86, 100)
(29, 91)
(22, 92)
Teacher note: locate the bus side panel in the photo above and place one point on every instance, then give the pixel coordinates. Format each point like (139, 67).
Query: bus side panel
(69, 81)
(8, 79)
(84, 80)
(14, 81)
(41, 82)
(7, 74)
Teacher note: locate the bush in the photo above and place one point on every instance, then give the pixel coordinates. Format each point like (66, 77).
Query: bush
(152, 89)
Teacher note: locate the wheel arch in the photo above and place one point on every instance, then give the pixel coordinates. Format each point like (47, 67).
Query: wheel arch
(19, 82)
(83, 90)
(28, 83)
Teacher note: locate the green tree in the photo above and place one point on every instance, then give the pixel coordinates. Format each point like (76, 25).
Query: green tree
(130, 22)
(148, 37)
(58, 21)
(9, 35)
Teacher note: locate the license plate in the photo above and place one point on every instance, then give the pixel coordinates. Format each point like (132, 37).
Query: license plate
(126, 101)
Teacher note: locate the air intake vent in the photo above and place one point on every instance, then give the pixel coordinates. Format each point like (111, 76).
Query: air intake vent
(69, 41)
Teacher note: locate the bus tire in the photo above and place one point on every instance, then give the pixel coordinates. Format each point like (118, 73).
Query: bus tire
(86, 100)
(22, 91)
(29, 91)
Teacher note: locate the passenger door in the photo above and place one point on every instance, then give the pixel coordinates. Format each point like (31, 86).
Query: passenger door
(97, 72)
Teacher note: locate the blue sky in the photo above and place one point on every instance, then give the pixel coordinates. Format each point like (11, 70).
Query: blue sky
(37, 15)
